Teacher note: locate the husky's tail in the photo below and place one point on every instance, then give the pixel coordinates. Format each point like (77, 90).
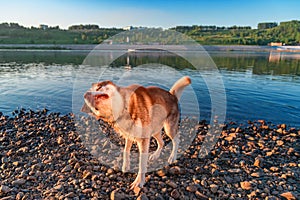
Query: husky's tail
(178, 87)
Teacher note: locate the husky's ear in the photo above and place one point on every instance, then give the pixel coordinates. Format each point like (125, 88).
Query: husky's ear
(85, 109)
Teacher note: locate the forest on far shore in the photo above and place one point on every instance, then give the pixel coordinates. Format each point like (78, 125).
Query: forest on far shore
(287, 33)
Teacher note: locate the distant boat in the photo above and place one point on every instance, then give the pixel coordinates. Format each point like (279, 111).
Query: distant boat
(128, 67)
(288, 48)
(131, 50)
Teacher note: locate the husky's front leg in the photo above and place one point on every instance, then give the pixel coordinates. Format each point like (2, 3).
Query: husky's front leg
(126, 155)
(143, 145)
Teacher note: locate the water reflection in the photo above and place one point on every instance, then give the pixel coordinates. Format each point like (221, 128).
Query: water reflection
(273, 62)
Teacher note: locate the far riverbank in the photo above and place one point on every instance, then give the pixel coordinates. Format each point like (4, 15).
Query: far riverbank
(89, 47)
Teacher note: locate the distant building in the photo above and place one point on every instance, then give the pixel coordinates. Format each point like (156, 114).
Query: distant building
(128, 28)
(266, 25)
(275, 44)
(43, 26)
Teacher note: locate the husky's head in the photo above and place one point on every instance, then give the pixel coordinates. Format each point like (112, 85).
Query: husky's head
(104, 101)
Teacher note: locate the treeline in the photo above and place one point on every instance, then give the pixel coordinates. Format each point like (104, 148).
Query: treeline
(286, 32)
(13, 33)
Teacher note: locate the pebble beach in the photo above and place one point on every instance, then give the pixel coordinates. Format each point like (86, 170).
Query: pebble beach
(42, 156)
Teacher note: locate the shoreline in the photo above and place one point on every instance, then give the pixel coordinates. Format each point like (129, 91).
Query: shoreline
(43, 156)
(126, 47)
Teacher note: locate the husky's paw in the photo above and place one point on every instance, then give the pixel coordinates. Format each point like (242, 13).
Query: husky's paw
(138, 182)
(154, 156)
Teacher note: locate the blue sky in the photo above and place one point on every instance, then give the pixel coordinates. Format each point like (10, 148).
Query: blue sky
(152, 13)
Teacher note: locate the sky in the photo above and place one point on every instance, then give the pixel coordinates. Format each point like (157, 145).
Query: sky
(150, 13)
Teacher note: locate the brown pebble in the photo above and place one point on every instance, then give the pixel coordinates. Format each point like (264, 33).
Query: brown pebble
(201, 196)
(60, 140)
(192, 188)
(246, 185)
(161, 172)
(258, 162)
(87, 190)
(288, 196)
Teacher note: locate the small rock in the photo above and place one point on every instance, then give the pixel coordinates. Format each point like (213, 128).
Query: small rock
(86, 174)
(60, 140)
(19, 182)
(117, 195)
(171, 184)
(283, 126)
(258, 162)
(110, 171)
(70, 195)
(87, 190)
(4, 189)
(269, 153)
(246, 185)
(191, 188)
(175, 170)
(288, 196)
(19, 196)
(255, 174)
(214, 188)
(16, 163)
(274, 169)
(201, 196)
(175, 194)
(161, 173)
(228, 179)
(58, 187)
(7, 198)
(142, 197)
(67, 168)
(279, 142)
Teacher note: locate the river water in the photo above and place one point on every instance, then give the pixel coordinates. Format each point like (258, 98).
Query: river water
(242, 85)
